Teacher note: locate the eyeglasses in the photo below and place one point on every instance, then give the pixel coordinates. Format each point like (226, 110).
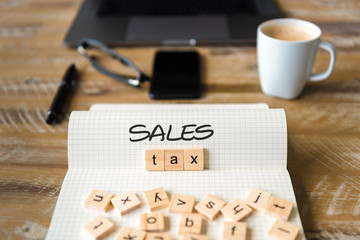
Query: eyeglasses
(88, 43)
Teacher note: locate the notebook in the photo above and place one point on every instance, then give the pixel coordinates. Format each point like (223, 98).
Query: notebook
(247, 150)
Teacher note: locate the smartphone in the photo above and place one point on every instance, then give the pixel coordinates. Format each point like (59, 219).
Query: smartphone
(176, 75)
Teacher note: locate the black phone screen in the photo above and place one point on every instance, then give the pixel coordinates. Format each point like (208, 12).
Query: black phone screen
(176, 75)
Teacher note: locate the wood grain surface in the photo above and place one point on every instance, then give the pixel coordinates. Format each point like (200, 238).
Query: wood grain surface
(323, 124)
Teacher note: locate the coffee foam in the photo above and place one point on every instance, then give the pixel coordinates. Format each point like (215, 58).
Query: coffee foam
(289, 32)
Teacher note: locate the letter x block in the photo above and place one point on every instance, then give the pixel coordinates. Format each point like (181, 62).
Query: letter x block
(154, 160)
(236, 210)
(152, 222)
(195, 237)
(193, 159)
(158, 236)
(234, 231)
(279, 208)
(156, 199)
(98, 200)
(126, 202)
(127, 233)
(99, 227)
(258, 199)
(283, 231)
(181, 203)
(190, 223)
(210, 206)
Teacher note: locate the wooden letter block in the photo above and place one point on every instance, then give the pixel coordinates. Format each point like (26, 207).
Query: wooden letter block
(127, 233)
(236, 210)
(98, 200)
(158, 236)
(283, 231)
(174, 159)
(279, 208)
(152, 222)
(154, 159)
(126, 202)
(234, 231)
(181, 203)
(156, 199)
(210, 206)
(190, 223)
(195, 237)
(193, 159)
(99, 227)
(258, 199)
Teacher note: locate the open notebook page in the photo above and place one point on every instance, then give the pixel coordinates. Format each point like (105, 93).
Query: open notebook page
(247, 149)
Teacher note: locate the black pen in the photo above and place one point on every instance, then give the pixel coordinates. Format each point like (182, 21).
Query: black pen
(62, 96)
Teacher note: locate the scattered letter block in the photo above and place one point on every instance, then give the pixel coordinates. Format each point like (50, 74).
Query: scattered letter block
(190, 223)
(156, 199)
(152, 222)
(158, 236)
(127, 233)
(98, 200)
(258, 199)
(154, 159)
(181, 203)
(174, 159)
(126, 202)
(283, 231)
(99, 227)
(234, 231)
(193, 159)
(210, 206)
(236, 210)
(279, 208)
(195, 237)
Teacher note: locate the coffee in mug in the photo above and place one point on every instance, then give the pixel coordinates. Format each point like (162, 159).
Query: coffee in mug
(286, 51)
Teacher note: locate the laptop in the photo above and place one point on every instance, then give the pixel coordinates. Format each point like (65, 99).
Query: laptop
(170, 22)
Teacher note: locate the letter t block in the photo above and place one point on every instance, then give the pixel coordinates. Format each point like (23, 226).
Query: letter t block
(154, 160)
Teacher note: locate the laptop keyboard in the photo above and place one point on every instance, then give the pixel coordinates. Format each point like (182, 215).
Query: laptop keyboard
(110, 8)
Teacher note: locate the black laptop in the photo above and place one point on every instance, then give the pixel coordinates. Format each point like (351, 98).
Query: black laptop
(170, 22)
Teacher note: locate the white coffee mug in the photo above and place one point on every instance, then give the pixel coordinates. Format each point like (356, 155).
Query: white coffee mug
(285, 65)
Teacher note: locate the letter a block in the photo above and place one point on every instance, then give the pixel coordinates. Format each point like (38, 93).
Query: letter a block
(181, 203)
(279, 208)
(98, 200)
(99, 227)
(156, 199)
(158, 236)
(154, 159)
(174, 159)
(210, 206)
(126, 202)
(127, 233)
(152, 222)
(190, 223)
(193, 159)
(234, 231)
(258, 199)
(283, 231)
(236, 210)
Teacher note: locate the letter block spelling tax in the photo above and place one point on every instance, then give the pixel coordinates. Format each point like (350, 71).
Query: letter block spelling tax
(236, 210)
(181, 203)
(98, 200)
(126, 202)
(128, 233)
(190, 223)
(258, 199)
(210, 206)
(99, 227)
(283, 231)
(154, 160)
(156, 199)
(193, 159)
(174, 159)
(158, 236)
(152, 222)
(234, 231)
(195, 237)
(279, 208)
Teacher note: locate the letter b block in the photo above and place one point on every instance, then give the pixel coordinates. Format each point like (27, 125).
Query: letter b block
(154, 160)
(174, 159)
(193, 159)
(190, 223)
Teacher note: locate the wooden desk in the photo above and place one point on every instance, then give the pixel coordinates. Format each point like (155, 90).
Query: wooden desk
(323, 124)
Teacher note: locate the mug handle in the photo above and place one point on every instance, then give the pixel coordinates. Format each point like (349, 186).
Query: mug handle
(331, 49)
